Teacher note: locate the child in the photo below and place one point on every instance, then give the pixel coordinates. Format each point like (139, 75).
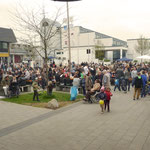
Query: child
(116, 84)
(102, 97)
(108, 98)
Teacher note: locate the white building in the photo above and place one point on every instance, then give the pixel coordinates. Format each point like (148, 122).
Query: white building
(83, 42)
(132, 43)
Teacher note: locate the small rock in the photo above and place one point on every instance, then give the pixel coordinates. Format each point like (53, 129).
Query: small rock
(53, 104)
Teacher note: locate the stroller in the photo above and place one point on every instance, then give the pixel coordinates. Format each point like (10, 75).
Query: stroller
(13, 89)
(94, 97)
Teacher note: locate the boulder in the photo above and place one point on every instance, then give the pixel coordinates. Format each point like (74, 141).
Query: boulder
(53, 104)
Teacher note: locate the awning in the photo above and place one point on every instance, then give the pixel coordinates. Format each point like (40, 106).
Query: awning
(124, 59)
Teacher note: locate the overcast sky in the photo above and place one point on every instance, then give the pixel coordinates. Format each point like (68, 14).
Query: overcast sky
(124, 19)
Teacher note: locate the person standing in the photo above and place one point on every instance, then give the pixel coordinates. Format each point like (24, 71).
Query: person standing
(119, 75)
(133, 74)
(138, 85)
(106, 79)
(144, 81)
(99, 76)
(127, 75)
(108, 98)
(35, 89)
(82, 83)
(88, 87)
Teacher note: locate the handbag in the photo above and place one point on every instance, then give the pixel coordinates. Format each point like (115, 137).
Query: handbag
(130, 79)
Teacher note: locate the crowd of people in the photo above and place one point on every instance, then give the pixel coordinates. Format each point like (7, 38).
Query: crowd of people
(88, 76)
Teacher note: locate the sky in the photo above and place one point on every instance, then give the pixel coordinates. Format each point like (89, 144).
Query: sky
(123, 19)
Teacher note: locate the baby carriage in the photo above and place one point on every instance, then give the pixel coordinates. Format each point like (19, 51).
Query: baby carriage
(95, 97)
(13, 89)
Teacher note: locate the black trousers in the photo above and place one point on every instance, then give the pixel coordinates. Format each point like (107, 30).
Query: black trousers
(36, 95)
(107, 104)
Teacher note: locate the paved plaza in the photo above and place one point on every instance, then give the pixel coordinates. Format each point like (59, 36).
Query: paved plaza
(77, 127)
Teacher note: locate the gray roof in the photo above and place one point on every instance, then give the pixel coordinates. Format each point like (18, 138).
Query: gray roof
(7, 35)
(102, 36)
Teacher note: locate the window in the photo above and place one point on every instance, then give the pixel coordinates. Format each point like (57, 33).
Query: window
(65, 42)
(88, 51)
(5, 45)
(116, 55)
(58, 53)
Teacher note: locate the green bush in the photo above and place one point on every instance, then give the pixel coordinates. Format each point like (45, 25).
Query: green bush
(135, 61)
(106, 60)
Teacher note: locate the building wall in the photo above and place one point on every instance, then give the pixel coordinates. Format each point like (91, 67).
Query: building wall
(131, 49)
(80, 54)
(83, 40)
(105, 41)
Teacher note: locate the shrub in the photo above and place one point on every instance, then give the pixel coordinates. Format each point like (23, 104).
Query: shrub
(106, 60)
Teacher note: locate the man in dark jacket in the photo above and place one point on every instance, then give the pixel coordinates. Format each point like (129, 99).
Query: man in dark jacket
(138, 86)
(119, 75)
(99, 77)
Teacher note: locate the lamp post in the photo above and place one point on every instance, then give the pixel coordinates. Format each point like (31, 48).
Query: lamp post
(68, 25)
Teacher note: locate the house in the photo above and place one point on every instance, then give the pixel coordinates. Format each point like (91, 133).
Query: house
(7, 37)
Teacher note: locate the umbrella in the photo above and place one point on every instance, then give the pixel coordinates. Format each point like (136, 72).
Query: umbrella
(124, 59)
(144, 57)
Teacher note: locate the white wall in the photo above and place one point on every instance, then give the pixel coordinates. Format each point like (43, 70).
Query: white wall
(79, 55)
(105, 41)
(131, 53)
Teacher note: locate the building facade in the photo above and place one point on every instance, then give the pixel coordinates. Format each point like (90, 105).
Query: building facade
(132, 44)
(6, 38)
(83, 45)
(21, 53)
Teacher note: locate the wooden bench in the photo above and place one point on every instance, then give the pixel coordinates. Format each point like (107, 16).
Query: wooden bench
(66, 88)
(26, 88)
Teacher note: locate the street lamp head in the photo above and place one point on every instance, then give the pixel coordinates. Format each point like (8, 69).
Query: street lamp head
(66, 0)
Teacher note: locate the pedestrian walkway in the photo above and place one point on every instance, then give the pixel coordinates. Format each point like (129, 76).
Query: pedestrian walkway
(77, 127)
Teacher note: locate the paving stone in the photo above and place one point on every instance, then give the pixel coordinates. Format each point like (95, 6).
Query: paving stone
(79, 127)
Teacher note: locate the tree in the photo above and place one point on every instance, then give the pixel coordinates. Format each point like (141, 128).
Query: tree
(143, 46)
(38, 31)
(99, 51)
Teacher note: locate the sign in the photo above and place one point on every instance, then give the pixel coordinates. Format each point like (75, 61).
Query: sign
(4, 54)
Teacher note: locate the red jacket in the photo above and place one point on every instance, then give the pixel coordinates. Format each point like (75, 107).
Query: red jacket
(108, 95)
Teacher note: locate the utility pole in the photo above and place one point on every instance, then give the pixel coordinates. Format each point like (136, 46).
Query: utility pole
(68, 27)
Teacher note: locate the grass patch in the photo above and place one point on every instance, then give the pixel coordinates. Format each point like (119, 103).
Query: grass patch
(27, 99)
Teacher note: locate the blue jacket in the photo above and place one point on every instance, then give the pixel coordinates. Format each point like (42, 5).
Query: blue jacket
(144, 79)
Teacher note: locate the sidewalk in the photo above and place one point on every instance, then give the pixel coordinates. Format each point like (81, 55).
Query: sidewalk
(77, 127)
